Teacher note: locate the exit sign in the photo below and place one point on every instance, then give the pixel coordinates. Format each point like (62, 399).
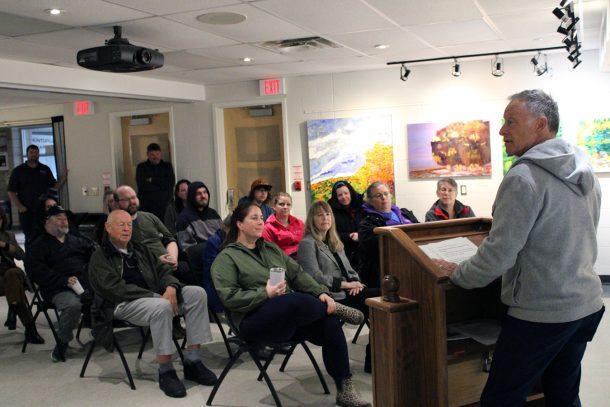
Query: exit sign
(272, 87)
(83, 107)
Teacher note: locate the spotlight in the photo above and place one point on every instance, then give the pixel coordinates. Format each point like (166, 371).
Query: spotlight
(540, 68)
(575, 63)
(404, 72)
(456, 68)
(497, 66)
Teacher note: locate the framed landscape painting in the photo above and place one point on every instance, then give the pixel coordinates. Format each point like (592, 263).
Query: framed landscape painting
(358, 150)
(594, 138)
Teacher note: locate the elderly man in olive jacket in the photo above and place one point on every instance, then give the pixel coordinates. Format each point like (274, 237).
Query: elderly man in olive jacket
(139, 288)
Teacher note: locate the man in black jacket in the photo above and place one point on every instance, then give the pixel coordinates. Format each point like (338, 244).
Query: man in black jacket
(57, 262)
(141, 289)
(155, 179)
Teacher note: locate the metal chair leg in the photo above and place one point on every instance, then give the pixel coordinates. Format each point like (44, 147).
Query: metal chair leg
(125, 365)
(263, 373)
(87, 358)
(287, 357)
(316, 367)
(222, 376)
(365, 322)
(222, 333)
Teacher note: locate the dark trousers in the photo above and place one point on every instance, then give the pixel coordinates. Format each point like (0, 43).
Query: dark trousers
(357, 301)
(528, 351)
(26, 221)
(298, 316)
(12, 286)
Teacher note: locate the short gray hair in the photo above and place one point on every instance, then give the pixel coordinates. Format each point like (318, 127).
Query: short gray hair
(540, 104)
(447, 180)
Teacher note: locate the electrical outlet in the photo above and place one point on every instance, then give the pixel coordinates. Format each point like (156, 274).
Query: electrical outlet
(463, 190)
(94, 191)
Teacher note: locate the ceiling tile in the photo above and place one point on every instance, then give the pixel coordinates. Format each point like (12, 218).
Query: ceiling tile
(235, 53)
(327, 16)
(162, 7)
(77, 13)
(459, 32)
(191, 61)
(495, 7)
(258, 26)
(167, 34)
(414, 12)
(533, 25)
(39, 53)
(365, 42)
(12, 25)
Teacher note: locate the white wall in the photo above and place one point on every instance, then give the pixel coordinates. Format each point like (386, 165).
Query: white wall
(89, 149)
(431, 94)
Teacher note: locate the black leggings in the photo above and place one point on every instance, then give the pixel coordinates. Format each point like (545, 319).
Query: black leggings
(299, 316)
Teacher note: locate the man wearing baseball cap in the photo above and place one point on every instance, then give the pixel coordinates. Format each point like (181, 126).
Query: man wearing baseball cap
(260, 193)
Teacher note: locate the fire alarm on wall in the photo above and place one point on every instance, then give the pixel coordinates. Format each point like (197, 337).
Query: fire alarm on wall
(298, 185)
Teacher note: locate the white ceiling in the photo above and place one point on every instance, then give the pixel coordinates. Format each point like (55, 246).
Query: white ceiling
(211, 54)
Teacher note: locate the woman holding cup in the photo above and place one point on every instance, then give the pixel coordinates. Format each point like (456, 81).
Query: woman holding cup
(322, 255)
(295, 308)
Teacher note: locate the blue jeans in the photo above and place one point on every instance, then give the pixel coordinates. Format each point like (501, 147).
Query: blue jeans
(528, 351)
(299, 316)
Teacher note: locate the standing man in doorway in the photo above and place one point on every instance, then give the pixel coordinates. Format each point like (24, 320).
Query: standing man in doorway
(27, 182)
(155, 179)
(543, 243)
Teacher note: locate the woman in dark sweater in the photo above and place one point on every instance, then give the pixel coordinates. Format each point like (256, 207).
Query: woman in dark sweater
(347, 205)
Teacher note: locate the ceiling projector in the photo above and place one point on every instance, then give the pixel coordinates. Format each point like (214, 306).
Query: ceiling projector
(118, 55)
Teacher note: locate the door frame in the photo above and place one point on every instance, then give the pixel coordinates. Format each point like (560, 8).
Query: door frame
(220, 147)
(116, 146)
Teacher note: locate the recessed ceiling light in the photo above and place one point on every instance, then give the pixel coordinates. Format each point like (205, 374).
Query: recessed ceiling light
(382, 46)
(221, 18)
(247, 59)
(53, 11)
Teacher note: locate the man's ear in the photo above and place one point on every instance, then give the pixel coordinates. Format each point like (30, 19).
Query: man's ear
(541, 123)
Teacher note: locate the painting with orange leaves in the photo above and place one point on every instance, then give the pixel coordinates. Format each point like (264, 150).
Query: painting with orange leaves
(458, 149)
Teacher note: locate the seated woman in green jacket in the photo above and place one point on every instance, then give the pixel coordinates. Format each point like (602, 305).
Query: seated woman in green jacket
(295, 308)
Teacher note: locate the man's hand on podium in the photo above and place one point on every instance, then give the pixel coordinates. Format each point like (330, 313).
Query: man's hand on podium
(446, 267)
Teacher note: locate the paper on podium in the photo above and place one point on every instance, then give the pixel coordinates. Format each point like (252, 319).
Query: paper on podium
(455, 250)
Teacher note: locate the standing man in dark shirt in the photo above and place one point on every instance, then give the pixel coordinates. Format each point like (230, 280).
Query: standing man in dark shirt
(155, 179)
(27, 182)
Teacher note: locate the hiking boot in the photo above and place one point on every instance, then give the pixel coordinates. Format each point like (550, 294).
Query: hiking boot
(348, 396)
(349, 315)
(59, 352)
(171, 385)
(197, 372)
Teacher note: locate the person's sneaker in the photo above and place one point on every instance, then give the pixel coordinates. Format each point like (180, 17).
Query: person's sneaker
(349, 315)
(197, 372)
(171, 385)
(59, 352)
(348, 396)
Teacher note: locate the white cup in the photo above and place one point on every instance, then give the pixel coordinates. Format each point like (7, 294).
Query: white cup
(277, 275)
(78, 288)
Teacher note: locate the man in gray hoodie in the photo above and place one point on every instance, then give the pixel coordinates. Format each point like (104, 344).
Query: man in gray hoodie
(543, 244)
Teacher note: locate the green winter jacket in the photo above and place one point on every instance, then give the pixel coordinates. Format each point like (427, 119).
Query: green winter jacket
(106, 280)
(240, 277)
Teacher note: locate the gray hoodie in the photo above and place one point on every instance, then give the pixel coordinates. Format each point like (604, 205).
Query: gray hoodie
(543, 238)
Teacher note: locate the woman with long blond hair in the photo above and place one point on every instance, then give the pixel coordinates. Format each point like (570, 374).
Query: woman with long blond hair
(322, 255)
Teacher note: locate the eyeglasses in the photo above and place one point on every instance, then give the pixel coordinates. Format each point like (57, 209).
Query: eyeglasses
(381, 194)
(450, 190)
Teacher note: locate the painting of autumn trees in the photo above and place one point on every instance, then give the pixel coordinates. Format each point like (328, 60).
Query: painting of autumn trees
(358, 150)
(456, 149)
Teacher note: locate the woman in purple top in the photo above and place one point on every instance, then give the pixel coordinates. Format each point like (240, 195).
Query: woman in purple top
(377, 211)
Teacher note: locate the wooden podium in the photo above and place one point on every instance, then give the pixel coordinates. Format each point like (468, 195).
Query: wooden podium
(413, 363)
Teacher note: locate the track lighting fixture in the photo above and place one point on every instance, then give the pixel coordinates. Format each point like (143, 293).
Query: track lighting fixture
(497, 66)
(540, 68)
(404, 72)
(567, 27)
(456, 68)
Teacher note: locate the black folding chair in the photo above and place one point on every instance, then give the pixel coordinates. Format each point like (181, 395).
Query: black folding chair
(252, 349)
(42, 307)
(365, 322)
(117, 324)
